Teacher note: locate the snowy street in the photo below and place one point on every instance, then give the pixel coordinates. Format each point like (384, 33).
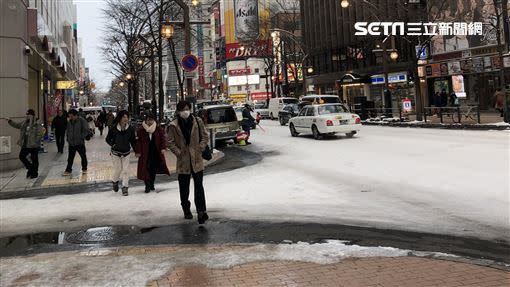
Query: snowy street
(427, 180)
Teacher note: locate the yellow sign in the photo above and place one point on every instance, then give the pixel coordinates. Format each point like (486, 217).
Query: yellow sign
(66, 85)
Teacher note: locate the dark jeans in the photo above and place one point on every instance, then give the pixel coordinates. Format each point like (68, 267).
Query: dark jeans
(247, 129)
(33, 165)
(184, 181)
(60, 138)
(72, 152)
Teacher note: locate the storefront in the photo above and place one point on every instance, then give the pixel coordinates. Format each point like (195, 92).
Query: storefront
(474, 80)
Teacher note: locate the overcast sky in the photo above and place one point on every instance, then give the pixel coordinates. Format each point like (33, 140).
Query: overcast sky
(90, 24)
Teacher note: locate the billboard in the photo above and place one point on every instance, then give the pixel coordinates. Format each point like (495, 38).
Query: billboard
(246, 19)
(464, 11)
(246, 23)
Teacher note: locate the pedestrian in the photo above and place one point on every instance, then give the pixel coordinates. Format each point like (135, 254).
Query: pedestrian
(77, 132)
(91, 123)
(59, 126)
(109, 119)
(121, 138)
(454, 101)
(248, 121)
(150, 151)
(101, 121)
(81, 113)
(30, 136)
(444, 98)
(187, 140)
(500, 101)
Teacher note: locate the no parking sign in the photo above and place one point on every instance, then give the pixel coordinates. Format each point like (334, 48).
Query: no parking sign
(407, 105)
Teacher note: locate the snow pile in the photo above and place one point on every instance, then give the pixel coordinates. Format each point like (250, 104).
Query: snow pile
(75, 269)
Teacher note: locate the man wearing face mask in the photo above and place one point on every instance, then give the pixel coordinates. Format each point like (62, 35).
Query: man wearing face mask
(31, 133)
(187, 139)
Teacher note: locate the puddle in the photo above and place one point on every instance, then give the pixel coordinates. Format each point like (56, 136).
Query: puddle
(96, 236)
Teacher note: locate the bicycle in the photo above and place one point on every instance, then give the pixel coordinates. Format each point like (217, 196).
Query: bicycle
(471, 113)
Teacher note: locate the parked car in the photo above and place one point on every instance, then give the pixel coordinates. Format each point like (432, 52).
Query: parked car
(325, 119)
(276, 104)
(255, 115)
(222, 120)
(263, 109)
(287, 113)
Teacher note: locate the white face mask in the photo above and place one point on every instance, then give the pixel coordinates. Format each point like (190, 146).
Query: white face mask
(185, 114)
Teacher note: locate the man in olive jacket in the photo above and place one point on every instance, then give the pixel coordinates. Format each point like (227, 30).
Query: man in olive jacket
(77, 132)
(30, 135)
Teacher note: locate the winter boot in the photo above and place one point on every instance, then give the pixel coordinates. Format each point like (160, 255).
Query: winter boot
(116, 186)
(202, 217)
(124, 191)
(186, 208)
(147, 187)
(152, 185)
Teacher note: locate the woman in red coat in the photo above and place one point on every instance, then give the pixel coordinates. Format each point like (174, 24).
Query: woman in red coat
(151, 147)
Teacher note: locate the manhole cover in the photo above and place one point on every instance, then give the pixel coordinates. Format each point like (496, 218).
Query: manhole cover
(100, 234)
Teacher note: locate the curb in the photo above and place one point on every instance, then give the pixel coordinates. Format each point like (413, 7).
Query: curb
(439, 126)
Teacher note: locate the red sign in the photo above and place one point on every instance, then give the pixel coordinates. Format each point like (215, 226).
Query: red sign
(259, 96)
(239, 72)
(201, 77)
(258, 49)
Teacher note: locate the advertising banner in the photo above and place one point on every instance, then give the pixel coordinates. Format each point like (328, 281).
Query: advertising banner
(258, 49)
(458, 86)
(246, 19)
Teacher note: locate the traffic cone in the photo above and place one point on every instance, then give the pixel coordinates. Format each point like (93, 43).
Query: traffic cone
(241, 137)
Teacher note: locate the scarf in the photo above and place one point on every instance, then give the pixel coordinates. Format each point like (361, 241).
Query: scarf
(186, 125)
(149, 129)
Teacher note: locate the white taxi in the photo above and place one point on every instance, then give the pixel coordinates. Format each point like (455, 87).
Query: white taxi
(326, 119)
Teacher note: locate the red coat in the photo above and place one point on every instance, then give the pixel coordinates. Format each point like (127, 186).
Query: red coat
(142, 148)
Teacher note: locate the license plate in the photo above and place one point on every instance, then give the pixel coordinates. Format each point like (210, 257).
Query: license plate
(344, 122)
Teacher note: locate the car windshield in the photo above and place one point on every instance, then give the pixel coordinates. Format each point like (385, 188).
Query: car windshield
(332, 109)
(260, 105)
(221, 115)
(290, 101)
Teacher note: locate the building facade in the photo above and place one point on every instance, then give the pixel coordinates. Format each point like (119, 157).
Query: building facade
(38, 48)
(468, 65)
(352, 66)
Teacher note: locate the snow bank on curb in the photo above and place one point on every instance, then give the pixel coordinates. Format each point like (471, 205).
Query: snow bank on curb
(75, 269)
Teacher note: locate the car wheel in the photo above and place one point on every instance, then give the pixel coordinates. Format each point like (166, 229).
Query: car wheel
(351, 134)
(316, 134)
(293, 131)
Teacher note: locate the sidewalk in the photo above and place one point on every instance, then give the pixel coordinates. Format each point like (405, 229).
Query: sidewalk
(228, 265)
(53, 164)
(488, 121)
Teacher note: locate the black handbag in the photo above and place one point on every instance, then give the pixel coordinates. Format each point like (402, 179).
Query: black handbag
(206, 153)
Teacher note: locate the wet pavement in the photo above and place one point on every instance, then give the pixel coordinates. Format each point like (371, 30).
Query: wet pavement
(219, 231)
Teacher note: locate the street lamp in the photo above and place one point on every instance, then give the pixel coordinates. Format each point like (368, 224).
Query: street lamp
(345, 3)
(310, 70)
(167, 31)
(394, 55)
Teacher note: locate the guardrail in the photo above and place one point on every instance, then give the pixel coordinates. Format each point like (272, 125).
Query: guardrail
(371, 113)
(456, 114)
